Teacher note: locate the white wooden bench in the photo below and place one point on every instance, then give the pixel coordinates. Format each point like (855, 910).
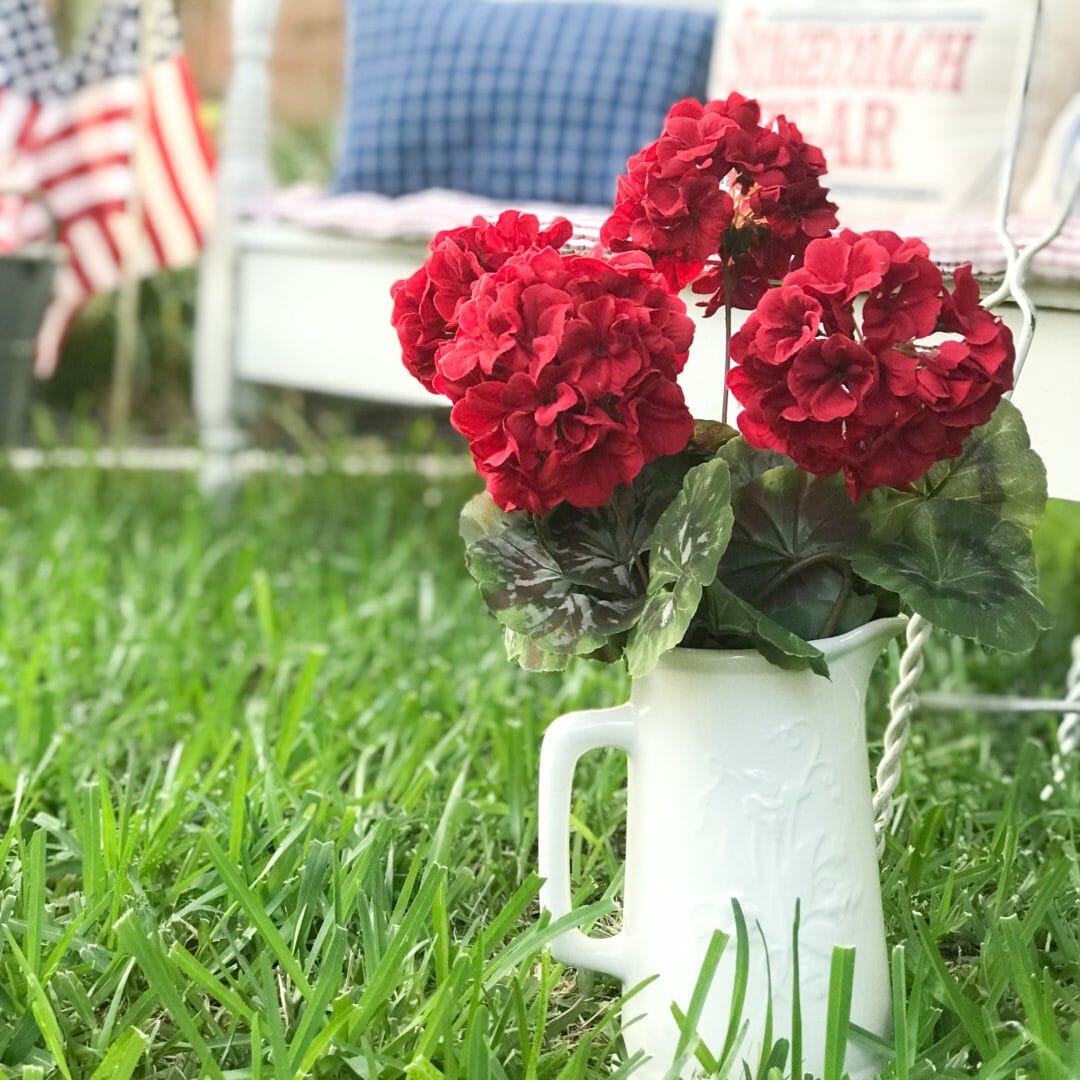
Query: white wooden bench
(288, 304)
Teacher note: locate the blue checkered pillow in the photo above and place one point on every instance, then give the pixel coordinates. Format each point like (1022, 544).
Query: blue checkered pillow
(524, 100)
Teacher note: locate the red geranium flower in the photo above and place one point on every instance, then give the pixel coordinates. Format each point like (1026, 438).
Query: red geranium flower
(426, 304)
(722, 201)
(569, 367)
(839, 389)
(829, 378)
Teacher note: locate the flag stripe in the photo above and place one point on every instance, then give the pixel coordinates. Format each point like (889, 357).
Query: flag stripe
(155, 240)
(158, 153)
(81, 169)
(62, 118)
(22, 223)
(17, 116)
(87, 238)
(119, 156)
(84, 125)
(191, 97)
(108, 235)
(91, 143)
(176, 130)
(108, 185)
(171, 222)
(121, 227)
(69, 292)
(75, 265)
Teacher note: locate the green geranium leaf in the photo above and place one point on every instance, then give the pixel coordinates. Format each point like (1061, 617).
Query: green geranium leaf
(569, 583)
(663, 622)
(965, 569)
(685, 548)
(599, 548)
(812, 616)
(481, 517)
(788, 552)
(529, 592)
(530, 656)
(747, 462)
(997, 470)
(728, 621)
(709, 436)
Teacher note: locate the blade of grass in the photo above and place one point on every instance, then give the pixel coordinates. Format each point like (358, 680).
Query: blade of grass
(207, 982)
(841, 982)
(971, 1019)
(34, 898)
(255, 911)
(689, 1024)
(738, 991)
(123, 1056)
(151, 959)
(326, 986)
(901, 1037)
(1039, 1013)
(767, 1049)
(42, 1009)
(796, 998)
(298, 702)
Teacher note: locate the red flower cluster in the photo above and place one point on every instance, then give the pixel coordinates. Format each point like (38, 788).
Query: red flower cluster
(871, 399)
(720, 193)
(426, 304)
(568, 368)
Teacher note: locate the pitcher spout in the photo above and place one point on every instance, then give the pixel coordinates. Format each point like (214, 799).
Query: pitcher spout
(859, 648)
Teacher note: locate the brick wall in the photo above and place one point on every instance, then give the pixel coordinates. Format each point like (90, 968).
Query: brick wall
(308, 55)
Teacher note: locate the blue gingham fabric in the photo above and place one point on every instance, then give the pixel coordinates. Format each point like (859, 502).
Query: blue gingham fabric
(532, 99)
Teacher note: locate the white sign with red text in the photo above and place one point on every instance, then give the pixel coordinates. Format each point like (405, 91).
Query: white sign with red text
(909, 99)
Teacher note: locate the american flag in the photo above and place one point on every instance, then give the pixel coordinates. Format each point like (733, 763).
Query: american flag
(109, 142)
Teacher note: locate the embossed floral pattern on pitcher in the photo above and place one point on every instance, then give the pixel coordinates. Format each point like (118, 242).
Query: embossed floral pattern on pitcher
(747, 783)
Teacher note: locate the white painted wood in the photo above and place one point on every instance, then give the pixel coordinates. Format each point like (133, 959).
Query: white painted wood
(244, 163)
(1047, 394)
(243, 172)
(320, 320)
(214, 380)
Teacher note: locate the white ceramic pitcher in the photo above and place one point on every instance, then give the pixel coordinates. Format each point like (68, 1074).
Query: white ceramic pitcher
(745, 781)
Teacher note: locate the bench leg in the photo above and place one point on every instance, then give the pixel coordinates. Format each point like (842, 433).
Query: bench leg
(215, 384)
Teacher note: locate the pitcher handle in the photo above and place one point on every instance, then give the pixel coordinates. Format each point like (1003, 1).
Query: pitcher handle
(565, 741)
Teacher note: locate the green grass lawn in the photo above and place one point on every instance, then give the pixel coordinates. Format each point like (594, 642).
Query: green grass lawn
(267, 805)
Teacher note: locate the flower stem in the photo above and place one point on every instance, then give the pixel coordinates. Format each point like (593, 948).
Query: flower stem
(842, 595)
(727, 339)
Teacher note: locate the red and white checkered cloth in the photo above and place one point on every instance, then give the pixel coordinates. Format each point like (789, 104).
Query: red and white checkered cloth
(418, 217)
(408, 217)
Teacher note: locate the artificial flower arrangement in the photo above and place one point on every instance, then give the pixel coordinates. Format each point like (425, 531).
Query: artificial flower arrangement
(876, 465)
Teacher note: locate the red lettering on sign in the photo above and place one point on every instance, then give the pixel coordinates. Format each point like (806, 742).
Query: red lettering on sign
(879, 122)
(899, 65)
(834, 136)
(952, 61)
(748, 46)
(769, 54)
